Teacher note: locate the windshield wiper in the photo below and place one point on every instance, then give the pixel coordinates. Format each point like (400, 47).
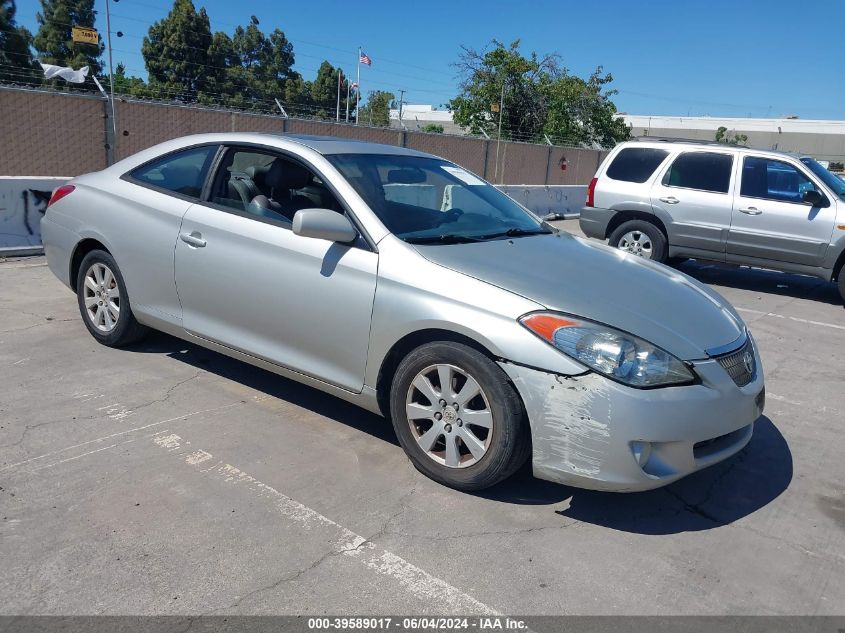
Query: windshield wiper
(449, 238)
(517, 232)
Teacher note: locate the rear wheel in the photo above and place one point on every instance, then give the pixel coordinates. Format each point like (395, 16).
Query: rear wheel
(640, 238)
(458, 417)
(103, 303)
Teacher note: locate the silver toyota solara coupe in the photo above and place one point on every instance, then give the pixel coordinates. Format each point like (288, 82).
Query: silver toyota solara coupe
(405, 284)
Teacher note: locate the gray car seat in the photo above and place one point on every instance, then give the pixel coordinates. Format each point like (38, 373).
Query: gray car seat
(277, 198)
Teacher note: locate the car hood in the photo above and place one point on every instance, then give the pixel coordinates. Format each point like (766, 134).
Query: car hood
(568, 274)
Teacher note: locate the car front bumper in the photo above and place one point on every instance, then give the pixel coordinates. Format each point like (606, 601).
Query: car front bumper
(590, 432)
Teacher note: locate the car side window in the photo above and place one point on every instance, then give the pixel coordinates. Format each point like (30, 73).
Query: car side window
(267, 185)
(704, 171)
(636, 164)
(771, 179)
(181, 172)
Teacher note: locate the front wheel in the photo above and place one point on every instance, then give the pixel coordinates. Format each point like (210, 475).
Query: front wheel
(640, 238)
(103, 303)
(458, 417)
(841, 283)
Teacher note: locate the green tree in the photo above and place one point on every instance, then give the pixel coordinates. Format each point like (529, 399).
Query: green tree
(298, 96)
(537, 97)
(54, 43)
(324, 92)
(16, 64)
(176, 52)
(248, 70)
(580, 112)
(124, 85)
(377, 109)
(432, 128)
(730, 138)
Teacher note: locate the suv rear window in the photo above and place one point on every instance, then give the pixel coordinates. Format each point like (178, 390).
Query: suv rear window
(636, 164)
(705, 171)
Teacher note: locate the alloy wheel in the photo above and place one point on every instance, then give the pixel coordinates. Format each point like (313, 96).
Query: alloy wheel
(637, 243)
(101, 296)
(449, 415)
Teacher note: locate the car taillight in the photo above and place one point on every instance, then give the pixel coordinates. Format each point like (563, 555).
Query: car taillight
(591, 193)
(59, 193)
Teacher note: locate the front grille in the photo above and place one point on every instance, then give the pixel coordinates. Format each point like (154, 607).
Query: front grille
(740, 364)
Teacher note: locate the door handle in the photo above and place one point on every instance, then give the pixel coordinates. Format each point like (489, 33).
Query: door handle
(751, 211)
(194, 239)
(670, 200)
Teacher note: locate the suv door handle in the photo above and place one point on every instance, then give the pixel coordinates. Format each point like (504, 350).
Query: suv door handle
(194, 239)
(751, 211)
(670, 200)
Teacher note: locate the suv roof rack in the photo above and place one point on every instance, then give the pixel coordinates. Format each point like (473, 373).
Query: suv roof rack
(669, 139)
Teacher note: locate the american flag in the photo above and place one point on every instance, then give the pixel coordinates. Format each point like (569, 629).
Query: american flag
(365, 59)
(353, 86)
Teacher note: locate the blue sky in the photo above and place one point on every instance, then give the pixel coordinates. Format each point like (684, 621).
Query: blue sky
(719, 58)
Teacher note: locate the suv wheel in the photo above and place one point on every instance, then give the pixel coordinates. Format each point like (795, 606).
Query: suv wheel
(458, 417)
(640, 238)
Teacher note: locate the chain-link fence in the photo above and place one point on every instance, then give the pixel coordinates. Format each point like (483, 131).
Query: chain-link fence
(50, 133)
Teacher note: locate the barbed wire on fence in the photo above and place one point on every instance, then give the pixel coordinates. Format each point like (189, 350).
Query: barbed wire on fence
(221, 101)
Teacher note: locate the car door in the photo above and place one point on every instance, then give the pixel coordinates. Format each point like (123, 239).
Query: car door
(771, 222)
(693, 199)
(246, 281)
(144, 221)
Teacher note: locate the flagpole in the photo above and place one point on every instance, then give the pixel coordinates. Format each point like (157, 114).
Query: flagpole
(358, 90)
(347, 100)
(337, 114)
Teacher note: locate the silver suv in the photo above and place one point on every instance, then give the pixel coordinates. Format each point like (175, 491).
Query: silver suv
(668, 200)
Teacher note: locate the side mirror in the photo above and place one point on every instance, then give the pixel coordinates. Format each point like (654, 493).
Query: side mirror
(813, 198)
(324, 224)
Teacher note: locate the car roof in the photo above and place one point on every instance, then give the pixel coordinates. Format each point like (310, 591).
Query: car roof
(335, 145)
(645, 141)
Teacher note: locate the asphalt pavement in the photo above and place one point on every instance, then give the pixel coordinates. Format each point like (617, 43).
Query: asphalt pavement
(168, 479)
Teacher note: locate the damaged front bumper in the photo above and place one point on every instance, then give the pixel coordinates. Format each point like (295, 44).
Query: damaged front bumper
(590, 432)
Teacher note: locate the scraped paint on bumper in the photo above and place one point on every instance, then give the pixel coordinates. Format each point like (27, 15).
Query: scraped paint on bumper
(590, 432)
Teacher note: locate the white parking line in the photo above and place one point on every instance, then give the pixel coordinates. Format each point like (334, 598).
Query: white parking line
(414, 580)
(792, 318)
(119, 433)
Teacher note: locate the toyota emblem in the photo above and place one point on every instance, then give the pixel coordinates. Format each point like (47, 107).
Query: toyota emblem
(748, 362)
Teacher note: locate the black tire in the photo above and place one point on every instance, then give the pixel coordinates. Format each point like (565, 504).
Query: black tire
(659, 247)
(841, 283)
(126, 329)
(509, 438)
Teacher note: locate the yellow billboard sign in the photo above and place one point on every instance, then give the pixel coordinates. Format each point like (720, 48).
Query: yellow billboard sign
(85, 35)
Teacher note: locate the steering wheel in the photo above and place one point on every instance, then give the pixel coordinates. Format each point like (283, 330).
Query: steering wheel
(451, 215)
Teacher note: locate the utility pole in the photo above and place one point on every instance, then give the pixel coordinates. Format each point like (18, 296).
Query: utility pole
(401, 98)
(499, 139)
(111, 81)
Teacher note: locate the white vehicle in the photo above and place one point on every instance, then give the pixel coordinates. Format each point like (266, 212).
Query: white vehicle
(678, 199)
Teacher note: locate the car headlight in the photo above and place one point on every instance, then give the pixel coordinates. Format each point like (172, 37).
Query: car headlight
(610, 352)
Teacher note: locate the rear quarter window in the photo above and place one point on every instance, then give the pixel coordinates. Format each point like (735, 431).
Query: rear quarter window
(181, 172)
(635, 164)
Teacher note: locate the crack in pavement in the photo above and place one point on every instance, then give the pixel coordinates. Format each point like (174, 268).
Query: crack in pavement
(30, 427)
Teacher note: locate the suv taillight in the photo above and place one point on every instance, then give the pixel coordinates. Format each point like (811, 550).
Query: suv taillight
(59, 193)
(591, 193)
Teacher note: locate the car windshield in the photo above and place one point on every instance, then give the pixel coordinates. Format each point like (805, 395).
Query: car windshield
(432, 201)
(837, 184)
